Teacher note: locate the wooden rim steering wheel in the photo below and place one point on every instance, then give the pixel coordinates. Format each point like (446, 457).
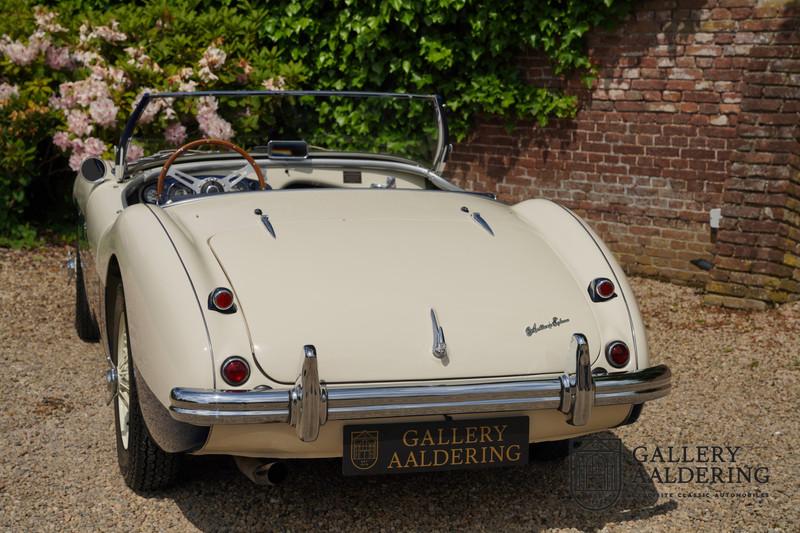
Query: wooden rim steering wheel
(262, 184)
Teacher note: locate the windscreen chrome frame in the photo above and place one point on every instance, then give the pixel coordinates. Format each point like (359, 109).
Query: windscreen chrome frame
(443, 145)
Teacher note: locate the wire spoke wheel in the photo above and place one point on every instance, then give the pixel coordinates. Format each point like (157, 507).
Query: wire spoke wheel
(123, 383)
(144, 466)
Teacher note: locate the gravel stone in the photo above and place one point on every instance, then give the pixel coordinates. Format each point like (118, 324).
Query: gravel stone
(735, 384)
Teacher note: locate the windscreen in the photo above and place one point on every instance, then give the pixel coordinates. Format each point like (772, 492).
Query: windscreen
(403, 126)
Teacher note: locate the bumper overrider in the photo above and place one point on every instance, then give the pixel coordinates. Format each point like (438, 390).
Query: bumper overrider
(311, 403)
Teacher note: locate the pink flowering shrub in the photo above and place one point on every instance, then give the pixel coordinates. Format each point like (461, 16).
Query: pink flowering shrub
(211, 124)
(108, 68)
(175, 134)
(68, 83)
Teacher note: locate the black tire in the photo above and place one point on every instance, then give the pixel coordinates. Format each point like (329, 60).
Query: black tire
(85, 324)
(556, 450)
(144, 466)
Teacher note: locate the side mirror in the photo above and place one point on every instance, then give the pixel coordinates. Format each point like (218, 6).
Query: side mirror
(93, 169)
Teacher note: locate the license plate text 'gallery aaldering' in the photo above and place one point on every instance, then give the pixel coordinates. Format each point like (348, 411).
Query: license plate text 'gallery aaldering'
(426, 446)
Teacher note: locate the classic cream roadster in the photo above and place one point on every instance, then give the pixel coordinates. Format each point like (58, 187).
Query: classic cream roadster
(316, 289)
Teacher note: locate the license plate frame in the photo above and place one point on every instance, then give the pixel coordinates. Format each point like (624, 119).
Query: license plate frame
(405, 447)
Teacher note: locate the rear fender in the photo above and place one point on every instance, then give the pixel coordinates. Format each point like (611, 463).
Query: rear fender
(587, 257)
(168, 333)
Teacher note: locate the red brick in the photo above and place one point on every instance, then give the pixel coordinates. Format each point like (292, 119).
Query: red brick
(679, 122)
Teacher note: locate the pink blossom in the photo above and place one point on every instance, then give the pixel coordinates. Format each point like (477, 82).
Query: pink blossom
(175, 133)
(39, 41)
(75, 160)
(103, 112)
(169, 112)
(210, 122)
(58, 58)
(187, 86)
(61, 139)
(18, 53)
(93, 147)
(134, 152)
(247, 69)
(107, 33)
(113, 75)
(182, 80)
(150, 112)
(212, 59)
(82, 92)
(207, 75)
(277, 83)
(83, 148)
(140, 60)
(110, 33)
(173, 80)
(77, 156)
(45, 20)
(7, 92)
(87, 57)
(116, 77)
(84, 33)
(152, 108)
(78, 123)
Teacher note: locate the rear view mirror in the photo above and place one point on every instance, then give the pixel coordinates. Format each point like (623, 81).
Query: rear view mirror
(287, 149)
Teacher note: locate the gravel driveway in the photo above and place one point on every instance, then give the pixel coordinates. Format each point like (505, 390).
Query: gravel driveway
(735, 392)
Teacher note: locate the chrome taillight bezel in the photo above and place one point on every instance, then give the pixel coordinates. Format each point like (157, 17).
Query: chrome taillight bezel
(611, 361)
(595, 287)
(230, 360)
(212, 303)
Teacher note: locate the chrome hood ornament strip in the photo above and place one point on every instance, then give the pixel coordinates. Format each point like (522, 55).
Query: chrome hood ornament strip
(480, 220)
(439, 345)
(265, 220)
(268, 224)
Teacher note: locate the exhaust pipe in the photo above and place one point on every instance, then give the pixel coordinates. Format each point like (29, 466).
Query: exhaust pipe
(262, 472)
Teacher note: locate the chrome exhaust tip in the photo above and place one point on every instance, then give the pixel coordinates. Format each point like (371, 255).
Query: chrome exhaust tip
(262, 472)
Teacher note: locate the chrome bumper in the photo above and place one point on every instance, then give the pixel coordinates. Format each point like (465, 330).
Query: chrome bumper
(311, 403)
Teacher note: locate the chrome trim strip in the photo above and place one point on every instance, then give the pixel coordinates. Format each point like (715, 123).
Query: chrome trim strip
(209, 407)
(439, 345)
(268, 225)
(480, 220)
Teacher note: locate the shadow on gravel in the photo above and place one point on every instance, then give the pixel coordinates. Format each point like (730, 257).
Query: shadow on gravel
(213, 495)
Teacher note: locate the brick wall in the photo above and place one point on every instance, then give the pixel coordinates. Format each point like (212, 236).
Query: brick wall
(697, 106)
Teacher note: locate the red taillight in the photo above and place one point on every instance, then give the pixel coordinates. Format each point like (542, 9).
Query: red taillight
(235, 370)
(221, 299)
(605, 288)
(617, 354)
(602, 289)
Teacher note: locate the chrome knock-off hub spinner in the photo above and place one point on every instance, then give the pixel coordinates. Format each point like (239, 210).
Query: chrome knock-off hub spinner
(111, 384)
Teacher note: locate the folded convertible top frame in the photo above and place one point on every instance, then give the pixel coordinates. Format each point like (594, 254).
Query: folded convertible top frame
(311, 403)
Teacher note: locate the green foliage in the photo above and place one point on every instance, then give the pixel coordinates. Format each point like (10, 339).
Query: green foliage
(23, 123)
(466, 50)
